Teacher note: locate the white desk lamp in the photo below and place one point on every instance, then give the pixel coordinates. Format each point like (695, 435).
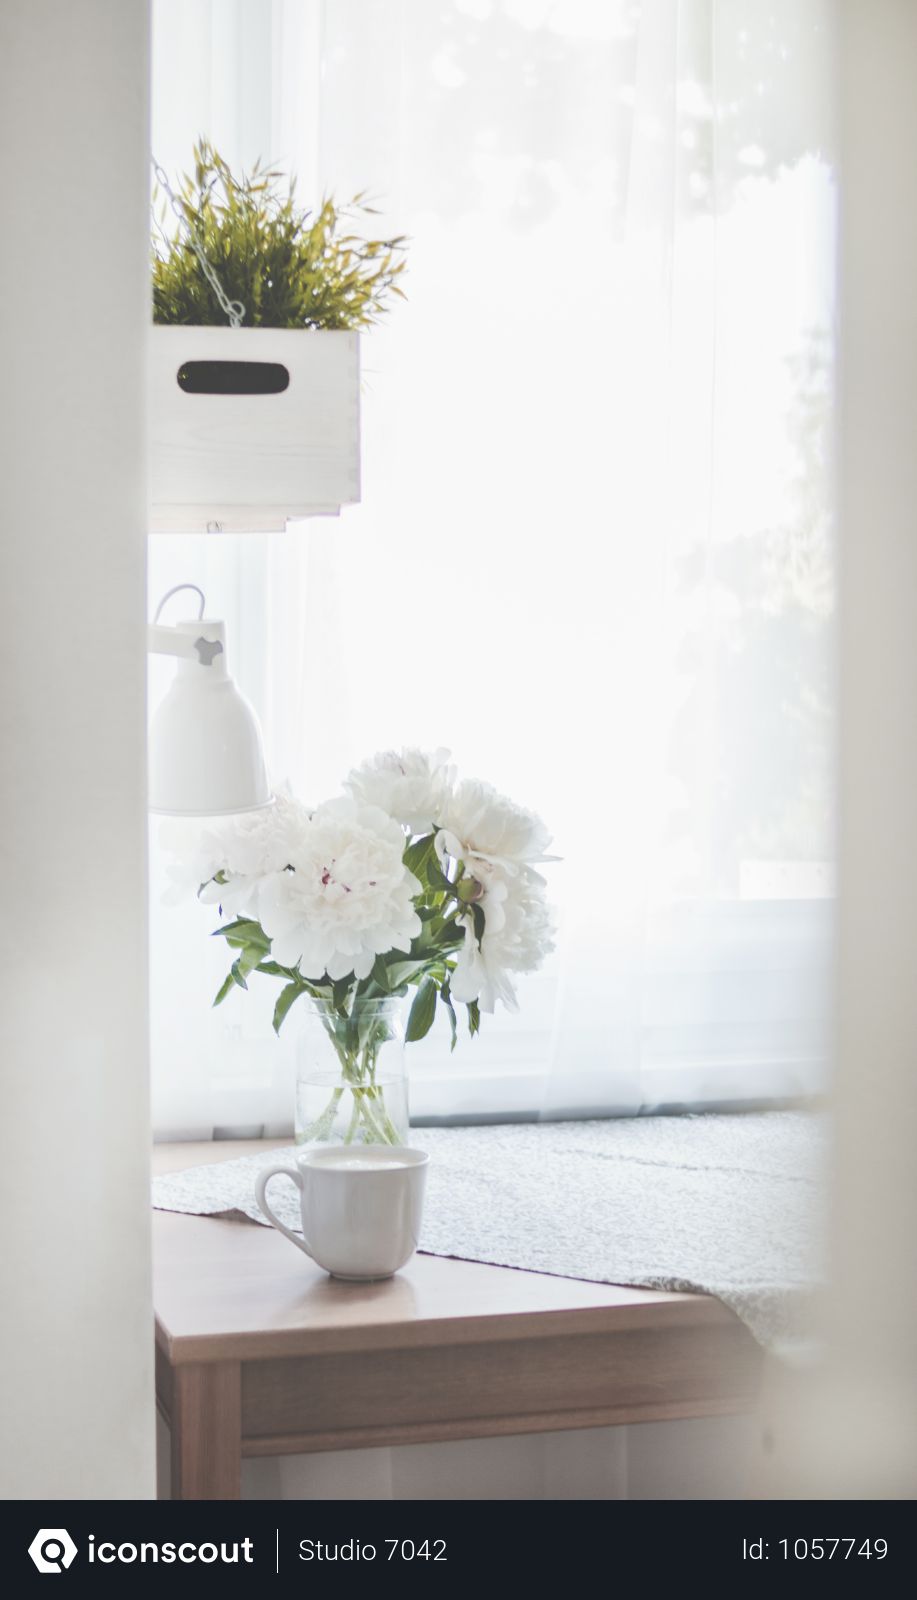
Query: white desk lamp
(206, 752)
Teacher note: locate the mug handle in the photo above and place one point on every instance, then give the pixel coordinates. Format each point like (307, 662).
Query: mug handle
(261, 1183)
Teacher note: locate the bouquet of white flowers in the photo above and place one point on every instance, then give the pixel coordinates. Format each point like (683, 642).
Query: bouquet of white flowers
(412, 879)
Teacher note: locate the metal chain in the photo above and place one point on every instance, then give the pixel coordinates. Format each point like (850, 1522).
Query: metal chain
(233, 309)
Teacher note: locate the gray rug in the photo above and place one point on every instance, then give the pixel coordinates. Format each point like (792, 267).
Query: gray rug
(727, 1205)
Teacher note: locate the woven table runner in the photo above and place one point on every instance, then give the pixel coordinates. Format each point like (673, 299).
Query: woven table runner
(727, 1205)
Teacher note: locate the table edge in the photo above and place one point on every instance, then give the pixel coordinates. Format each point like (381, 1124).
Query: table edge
(669, 1312)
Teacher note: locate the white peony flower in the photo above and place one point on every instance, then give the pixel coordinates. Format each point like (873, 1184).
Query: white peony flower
(348, 897)
(258, 842)
(254, 845)
(243, 848)
(480, 825)
(196, 855)
(529, 925)
(411, 785)
(518, 934)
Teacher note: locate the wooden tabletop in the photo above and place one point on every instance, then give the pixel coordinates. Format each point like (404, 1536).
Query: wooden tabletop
(445, 1349)
(227, 1289)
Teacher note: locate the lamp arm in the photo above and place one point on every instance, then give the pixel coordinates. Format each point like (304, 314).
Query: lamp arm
(164, 641)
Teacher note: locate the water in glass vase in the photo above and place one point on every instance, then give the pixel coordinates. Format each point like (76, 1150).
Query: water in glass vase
(351, 1087)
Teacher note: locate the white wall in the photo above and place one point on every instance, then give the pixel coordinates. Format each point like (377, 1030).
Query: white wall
(851, 1434)
(75, 1314)
(874, 1329)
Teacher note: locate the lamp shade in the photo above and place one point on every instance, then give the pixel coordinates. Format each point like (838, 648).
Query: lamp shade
(206, 756)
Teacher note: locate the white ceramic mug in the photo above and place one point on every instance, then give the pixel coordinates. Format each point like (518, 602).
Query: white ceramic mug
(361, 1207)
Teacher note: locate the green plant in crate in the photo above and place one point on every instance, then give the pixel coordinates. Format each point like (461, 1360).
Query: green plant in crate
(289, 267)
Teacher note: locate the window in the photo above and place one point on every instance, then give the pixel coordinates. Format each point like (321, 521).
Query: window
(594, 554)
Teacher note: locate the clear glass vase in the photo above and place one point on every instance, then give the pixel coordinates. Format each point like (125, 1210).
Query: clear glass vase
(351, 1086)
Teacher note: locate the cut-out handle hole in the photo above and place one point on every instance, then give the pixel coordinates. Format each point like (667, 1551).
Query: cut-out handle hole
(233, 377)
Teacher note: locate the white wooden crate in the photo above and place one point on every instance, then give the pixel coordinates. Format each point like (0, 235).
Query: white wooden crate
(246, 463)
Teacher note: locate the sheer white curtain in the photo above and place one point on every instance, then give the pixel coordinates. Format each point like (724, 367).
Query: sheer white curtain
(594, 554)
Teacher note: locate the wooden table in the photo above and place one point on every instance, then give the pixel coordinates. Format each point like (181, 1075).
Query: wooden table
(260, 1353)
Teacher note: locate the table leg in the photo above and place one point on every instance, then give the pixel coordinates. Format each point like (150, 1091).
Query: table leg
(206, 1422)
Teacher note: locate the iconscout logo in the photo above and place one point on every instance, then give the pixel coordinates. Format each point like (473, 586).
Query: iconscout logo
(52, 1549)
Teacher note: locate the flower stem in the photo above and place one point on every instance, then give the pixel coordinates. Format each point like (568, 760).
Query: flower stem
(354, 1120)
(378, 1132)
(321, 1127)
(357, 1040)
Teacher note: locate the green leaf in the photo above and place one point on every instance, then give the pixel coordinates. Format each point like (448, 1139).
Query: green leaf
(445, 995)
(449, 934)
(479, 924)
(237, 975)
(290, 269)
(244, 931)
(406, 971)
(474, 1017)
(436, 877)
(420, 1018)
(271, 969)
(249, 961)
(380, 975)
(228, 984)
(340, 991)
(417, 854)
(285, 999)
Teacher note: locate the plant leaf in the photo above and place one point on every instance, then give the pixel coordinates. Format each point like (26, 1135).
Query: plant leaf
(249, 960)
(285, 999)
(228, 984)
(420, 1017)
(406, 971)
(290, 268)
(436, 877)
(340, 989)
(417, 854)
(445, 995)
(380, 975)
(244, 931)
